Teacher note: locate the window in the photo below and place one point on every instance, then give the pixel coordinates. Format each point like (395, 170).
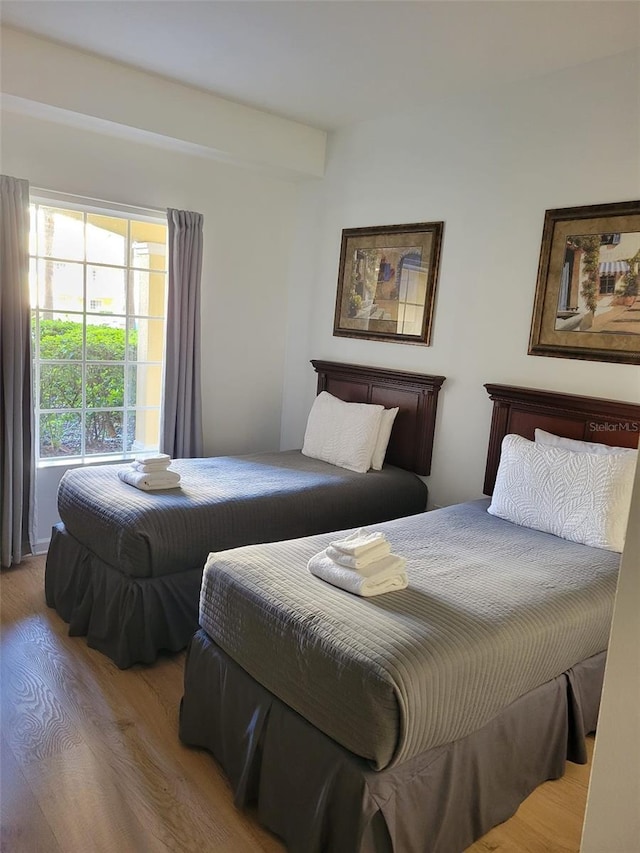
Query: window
(98, 292)
(607, 284)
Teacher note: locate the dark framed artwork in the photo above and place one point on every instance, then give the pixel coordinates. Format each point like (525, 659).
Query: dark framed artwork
(387, 282)
(587, 302)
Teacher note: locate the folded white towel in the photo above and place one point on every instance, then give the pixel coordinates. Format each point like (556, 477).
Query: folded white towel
(146, 458)
(382, 576)
(358, 542)
(149, 482)
(151, 467)
(370, 556)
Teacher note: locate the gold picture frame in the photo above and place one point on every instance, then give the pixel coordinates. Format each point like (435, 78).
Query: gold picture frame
(587, 302)
(387, 282)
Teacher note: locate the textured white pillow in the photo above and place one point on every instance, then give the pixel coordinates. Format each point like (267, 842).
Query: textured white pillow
(551, 440)
(387, 418)
(343, 434)
(584, 497)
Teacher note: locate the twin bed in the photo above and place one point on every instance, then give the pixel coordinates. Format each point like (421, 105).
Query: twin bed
(417, 720)
(124, 567)
(413, 721)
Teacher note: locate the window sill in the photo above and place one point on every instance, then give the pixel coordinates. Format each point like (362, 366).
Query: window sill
(80, 463)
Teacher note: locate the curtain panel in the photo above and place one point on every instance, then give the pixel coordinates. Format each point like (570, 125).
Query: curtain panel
(17, 467)
(181, 422)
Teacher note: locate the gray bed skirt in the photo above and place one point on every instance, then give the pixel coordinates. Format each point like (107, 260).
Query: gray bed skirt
(127, 618)
(320, 798)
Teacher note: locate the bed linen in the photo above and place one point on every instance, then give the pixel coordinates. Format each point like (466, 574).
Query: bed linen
(317, 796)
(222, 502)
(493, 610)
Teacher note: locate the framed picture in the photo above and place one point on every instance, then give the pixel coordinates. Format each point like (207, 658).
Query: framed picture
(587, 301)
(387, 282)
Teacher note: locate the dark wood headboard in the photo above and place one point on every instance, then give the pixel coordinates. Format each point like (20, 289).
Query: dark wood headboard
(415, 394)
(521, 410)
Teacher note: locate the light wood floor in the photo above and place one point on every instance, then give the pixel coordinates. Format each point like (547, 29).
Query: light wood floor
(91, 761)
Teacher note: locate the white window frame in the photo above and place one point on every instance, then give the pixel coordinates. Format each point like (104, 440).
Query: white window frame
(93, 206)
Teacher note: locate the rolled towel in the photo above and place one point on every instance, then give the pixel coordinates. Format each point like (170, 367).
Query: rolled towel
(358, 542)
(385, 575)
(149, 482)
(357, 563)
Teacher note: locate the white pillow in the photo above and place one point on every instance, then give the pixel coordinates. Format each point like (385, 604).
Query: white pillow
(551, 440)
(343, 434)
(583, 497)
(387, 418)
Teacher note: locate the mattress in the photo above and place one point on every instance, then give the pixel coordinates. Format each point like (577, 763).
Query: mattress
(222, 502)
(492, 611)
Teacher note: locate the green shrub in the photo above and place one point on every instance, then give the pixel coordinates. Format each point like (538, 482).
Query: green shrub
(61, 384)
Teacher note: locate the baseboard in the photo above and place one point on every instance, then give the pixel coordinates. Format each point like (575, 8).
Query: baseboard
(41, 546)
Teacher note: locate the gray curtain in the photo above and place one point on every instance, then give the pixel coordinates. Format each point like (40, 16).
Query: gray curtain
(181, 422)
(16, 406)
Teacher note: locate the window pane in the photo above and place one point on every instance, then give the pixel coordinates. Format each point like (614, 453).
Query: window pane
(60, 286)
(143, 431)
(60, 386)
(105, 341)
(144, 384)
(103, 432)
(148, 245)
(60, 233)
(106, 290)
(104, 386)
(33, 282)
(147, 293)
(60, 337)
(60, 435)
(106, 239)
(146, 339)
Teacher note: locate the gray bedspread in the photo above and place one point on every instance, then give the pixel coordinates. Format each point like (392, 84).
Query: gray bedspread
(492, 611)
(222, 502)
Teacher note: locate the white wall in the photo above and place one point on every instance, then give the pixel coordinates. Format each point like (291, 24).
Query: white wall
(249, 217)
(40, 77)
(489, 167)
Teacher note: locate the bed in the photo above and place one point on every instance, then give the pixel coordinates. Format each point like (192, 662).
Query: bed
(417, 720)
(124, 566)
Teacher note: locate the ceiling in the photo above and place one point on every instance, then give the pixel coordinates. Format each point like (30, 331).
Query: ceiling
(329, 63)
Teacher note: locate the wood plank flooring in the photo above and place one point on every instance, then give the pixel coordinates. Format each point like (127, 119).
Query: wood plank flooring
(91, 761)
